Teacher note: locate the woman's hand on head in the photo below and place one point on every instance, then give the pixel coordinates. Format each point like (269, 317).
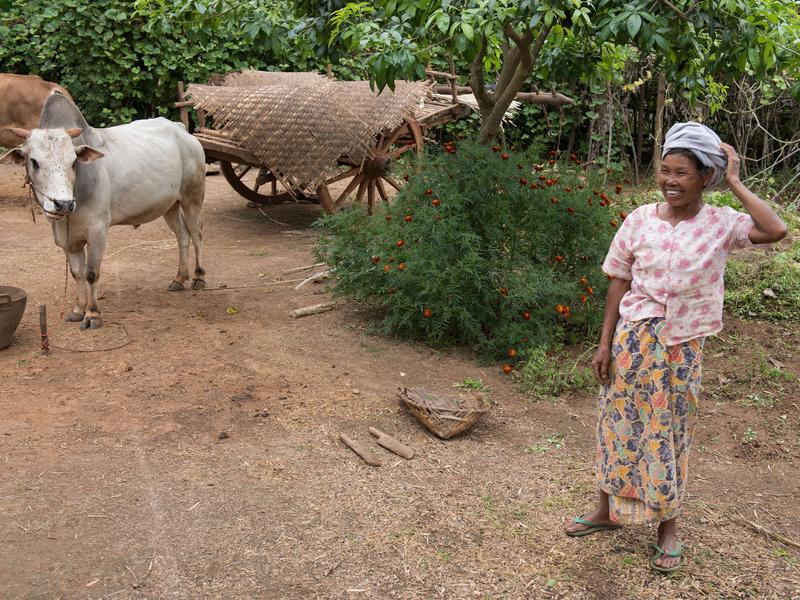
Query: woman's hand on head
(601, 362)
(734, 162)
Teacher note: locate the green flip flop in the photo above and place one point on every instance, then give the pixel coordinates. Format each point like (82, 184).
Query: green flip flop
(592, 527)
(659, 552)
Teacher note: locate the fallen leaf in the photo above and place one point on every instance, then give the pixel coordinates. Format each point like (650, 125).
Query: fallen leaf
(769, 293)
(232, 310)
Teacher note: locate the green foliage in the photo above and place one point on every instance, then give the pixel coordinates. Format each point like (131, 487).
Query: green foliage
(778, 274)
(478, 249)
(546, 374)
(119, 65)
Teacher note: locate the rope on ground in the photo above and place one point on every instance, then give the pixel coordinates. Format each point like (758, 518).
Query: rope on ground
(122, 345)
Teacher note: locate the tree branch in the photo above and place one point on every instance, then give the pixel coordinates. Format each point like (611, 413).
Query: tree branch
(674, 9)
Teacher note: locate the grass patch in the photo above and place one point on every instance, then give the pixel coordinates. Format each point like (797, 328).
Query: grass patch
(758, 401)
(768, 288)
(546, 376)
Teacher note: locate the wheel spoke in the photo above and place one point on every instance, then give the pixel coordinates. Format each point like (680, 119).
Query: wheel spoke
(345, 175)
(348, 190)
(382, 190)
(242, 172)
(402, 150)
(393, 183)
(361, 189)
(370, 196)
(392, 138)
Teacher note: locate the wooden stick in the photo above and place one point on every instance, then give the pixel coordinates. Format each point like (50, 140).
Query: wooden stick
(391, 444)
(303, 268)
(770, 534)
(316, 277)
(545, 98)
(312, 310)
(362, 451)
(43, 329)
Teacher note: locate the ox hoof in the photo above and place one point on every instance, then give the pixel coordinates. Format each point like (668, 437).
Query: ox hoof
(198, 284)
(74, 317)
(175, 286)
(91, 322)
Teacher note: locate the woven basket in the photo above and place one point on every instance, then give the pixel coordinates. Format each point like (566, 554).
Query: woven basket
(444, 416)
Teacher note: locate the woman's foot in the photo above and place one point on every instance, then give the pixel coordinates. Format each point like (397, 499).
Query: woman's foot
(669, 544)
(598, 517)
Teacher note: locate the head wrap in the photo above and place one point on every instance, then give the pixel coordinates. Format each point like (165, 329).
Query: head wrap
(700, 141)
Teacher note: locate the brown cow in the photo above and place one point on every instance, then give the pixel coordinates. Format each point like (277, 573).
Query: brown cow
(21, 101)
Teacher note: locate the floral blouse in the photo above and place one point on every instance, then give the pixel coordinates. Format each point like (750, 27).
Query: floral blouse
(676, 272)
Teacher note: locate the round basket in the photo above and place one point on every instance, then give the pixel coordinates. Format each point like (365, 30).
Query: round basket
(444, 416)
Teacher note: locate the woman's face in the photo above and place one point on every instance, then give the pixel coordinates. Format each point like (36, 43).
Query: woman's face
(680, 181)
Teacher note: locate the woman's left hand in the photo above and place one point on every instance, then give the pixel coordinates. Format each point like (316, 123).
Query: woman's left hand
(734, 162)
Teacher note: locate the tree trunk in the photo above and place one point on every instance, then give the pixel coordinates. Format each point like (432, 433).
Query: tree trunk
(658, 121)
(639, 135)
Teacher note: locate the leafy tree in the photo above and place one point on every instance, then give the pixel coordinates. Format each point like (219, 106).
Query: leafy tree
(506, 41)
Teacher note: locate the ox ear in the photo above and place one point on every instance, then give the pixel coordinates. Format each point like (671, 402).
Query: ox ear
(21, 133)
(74, 132)
(14, 157)
(87, 154)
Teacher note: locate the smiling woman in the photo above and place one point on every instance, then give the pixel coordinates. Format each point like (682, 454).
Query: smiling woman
(666, 263)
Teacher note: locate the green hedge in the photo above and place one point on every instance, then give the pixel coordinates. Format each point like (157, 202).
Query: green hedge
(117, 66)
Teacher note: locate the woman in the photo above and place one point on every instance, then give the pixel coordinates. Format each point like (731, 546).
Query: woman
(666, 265)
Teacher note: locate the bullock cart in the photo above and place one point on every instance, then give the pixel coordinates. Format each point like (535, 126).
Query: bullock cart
(282, 136)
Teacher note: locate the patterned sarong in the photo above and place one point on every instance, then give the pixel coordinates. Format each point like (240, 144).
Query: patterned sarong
(647, 418)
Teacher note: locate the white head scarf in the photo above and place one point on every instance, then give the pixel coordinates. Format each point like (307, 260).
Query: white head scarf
(700, 141)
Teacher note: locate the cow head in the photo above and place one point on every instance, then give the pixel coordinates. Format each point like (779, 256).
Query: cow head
(51, 161)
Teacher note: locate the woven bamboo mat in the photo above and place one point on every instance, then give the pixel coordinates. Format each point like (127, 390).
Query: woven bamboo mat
(300, 124)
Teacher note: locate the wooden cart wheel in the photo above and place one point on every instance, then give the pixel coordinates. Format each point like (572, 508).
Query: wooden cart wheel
(248, 180)
(373, 177)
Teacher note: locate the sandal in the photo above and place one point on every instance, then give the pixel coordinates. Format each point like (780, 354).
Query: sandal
(591, 527)
(659, 552)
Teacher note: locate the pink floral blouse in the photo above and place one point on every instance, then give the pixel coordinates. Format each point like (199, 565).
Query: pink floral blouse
(676, 272)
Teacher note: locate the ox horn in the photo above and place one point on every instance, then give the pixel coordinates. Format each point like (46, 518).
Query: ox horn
(74, 132)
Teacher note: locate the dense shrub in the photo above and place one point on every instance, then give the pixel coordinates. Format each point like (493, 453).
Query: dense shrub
(118, 66)
(480, 248)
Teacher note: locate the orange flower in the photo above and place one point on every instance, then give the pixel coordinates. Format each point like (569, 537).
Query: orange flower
(400, 243)
(590, 290)
(583, 281)
(507, 368)
(554, 200)
(376, 260)
(512, 352)
(436, 202)
(427, 313)
(583, 299)
(402, 266)
(559, 258)
(526, 315)
(409, 218)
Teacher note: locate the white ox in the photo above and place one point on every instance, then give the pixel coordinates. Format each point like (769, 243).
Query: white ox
(87, 179)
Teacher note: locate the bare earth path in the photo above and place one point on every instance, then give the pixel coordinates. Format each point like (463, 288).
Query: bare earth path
(116, 482)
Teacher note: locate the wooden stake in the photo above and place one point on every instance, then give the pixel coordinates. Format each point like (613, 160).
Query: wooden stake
(312, 310)
(43, 329)
(361, 450)
(316, 278)
(391, 444)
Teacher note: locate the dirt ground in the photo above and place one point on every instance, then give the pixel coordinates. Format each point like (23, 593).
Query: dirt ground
(118, 481)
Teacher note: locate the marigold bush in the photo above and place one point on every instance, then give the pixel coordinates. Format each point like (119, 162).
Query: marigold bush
(481, 247)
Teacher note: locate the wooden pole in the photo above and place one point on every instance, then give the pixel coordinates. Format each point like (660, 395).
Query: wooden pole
(658, 126)
(183, 111)
(43, 329)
